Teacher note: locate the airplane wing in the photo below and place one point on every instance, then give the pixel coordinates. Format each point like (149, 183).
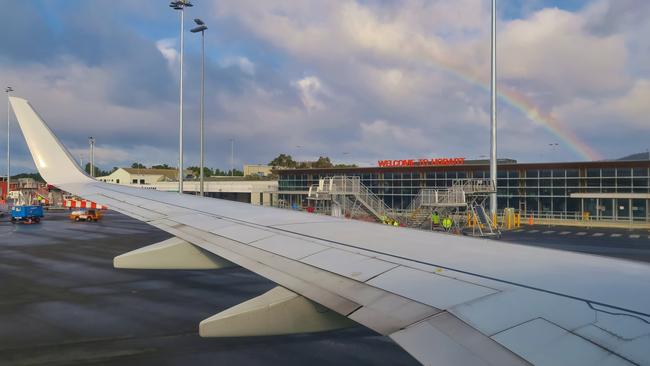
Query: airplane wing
(447, 300)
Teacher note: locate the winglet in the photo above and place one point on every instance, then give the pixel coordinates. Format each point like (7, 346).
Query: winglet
(52, 160)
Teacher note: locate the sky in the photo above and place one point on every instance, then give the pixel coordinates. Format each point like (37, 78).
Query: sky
(358, 81)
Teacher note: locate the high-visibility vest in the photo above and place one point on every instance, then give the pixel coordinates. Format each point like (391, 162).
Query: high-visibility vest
(446, 223)
(435, 218)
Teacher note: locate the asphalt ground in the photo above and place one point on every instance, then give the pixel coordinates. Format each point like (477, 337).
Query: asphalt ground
(63, 303)
(612, 242)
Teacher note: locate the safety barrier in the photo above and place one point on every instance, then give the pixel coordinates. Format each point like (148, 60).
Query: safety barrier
(83, 204)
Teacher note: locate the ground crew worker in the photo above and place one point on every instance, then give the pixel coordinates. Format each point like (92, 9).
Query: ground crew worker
(383, 219)
(395, 223)
(446, 223)
(435, 218)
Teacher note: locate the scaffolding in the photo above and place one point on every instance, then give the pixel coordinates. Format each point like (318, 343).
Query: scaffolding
(350, 198)
(463, 203)
(461, 206)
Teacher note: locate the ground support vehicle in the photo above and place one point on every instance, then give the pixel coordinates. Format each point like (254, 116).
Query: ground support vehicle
(28, 214)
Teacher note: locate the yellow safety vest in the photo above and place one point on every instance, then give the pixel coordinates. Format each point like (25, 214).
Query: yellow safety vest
(446, 223)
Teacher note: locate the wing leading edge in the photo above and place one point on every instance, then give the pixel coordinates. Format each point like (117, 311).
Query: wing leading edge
(446, 300)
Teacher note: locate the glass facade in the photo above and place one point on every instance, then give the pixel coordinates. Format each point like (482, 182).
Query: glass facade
(530, 188)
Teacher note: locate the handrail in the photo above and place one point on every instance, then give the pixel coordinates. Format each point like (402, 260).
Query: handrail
(452, 196)
(353, 186)
(478, 185)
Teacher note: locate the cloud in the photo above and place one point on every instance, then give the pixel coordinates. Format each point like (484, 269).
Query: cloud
(384, 137)
(310, 89)
(554, 51)
(612, 17)
(167, 48)
(404, 61)
(243, 63)
(629, 111)
(370, 78)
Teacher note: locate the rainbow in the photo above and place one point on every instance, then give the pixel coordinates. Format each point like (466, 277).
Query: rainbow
(524, 104)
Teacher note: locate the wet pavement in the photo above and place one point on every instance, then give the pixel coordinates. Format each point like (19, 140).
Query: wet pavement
(63, 303)
(611, 242)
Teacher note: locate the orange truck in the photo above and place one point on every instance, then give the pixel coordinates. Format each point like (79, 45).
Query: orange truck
(86, 215)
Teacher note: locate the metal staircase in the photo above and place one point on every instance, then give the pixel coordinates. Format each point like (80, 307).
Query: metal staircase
(464, 195)
(350, 194)
(484, 225)
(465, 198)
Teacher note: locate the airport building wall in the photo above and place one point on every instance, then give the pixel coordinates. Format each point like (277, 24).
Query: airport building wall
(605, 190)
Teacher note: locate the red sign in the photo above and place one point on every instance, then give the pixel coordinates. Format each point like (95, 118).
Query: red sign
(421, 162)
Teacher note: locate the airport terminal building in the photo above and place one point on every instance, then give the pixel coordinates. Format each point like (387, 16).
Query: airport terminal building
(604, 190)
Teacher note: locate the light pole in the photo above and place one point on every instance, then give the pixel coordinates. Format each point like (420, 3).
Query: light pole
(8, 90)
(493, 106)
(232, 157)
(181, 5)
(201, 27)
(91, 141)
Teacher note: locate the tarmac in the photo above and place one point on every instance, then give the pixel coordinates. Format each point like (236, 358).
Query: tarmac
(632, 244)
(63, 303)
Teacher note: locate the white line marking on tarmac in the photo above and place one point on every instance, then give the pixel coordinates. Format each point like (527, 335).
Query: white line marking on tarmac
(564, 232)
(635, 236)
(548, 232)
(581, 233)
(598, 234)
(533, 231)
(518, 230)
(615, 235)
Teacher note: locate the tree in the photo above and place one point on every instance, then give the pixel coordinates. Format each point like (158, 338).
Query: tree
(138, 166)
(226, 173)
(322, 162)
(207, 172)
(283, 160)
(161, 166)
(98, 172)
(35, 176)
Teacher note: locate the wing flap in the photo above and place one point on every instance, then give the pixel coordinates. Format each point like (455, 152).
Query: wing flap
(544, 343)
(445, 340)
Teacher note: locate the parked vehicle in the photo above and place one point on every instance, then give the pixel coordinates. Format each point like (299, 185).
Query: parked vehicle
(27, 213)
(86, 215)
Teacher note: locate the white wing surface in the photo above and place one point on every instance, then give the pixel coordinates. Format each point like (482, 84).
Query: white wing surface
(447, 300)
